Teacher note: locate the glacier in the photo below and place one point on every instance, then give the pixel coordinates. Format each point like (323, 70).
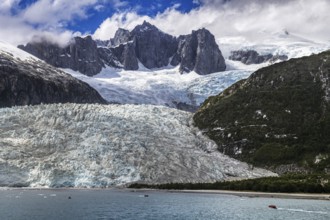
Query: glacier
(91, 145)
(166, 86)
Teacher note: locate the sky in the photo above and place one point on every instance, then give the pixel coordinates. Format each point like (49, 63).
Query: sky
(58, 21)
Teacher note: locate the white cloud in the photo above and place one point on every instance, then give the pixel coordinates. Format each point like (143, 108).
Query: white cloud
(53, 12)
(235, 18)
(48, 18)
(126, 20)
(246, 18)
(99, 7)
(6, 5)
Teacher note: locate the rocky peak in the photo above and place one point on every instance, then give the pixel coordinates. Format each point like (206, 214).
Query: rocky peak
(145, 26)
(121, 36)
(153, 47)
(199, 52)
(147, 44)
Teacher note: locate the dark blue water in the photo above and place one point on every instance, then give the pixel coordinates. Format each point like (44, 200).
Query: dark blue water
(116, 204)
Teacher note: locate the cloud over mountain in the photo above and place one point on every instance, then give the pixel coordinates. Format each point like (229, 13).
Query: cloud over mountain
(21, 21)
(234, 17)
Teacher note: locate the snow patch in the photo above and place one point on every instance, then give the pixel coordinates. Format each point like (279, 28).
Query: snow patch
(15, 52)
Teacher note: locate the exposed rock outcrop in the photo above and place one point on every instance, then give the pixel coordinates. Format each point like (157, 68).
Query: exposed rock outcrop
(109, 57)
(253, 57)
(30, 82)
(126, 55)
(199, 52)
(153, 47)
(80, 55)
(121, 36)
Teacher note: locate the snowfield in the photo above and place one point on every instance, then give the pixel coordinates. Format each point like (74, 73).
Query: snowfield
(165, 87)
(72, 145)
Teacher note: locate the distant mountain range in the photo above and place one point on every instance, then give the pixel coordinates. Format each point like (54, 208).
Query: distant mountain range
(145, 44)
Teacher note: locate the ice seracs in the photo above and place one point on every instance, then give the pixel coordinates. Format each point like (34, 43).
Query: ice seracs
(77, 145)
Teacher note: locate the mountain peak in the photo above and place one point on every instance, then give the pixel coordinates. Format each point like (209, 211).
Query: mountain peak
(145, 26)
(87, 38)
(145, 23)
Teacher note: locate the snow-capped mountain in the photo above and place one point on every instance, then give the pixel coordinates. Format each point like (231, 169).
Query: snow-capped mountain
(275, 43)
(81, 145)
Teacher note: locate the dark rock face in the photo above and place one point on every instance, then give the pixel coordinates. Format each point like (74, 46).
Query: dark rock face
(145, 43)
(153, 47)
(253, 57)
(121, 36)
(208, 57)
(278, 57)
(108, 57)
(278, 118)
(199, 52)
(80, 55)
(126, 55)
(34, 82)
(130, 61)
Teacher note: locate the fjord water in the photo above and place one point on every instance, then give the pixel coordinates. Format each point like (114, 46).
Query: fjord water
(124, 204)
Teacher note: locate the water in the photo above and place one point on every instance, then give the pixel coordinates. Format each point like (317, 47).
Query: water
(123, 204)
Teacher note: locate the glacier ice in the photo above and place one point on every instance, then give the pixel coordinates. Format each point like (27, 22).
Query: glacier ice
(165, 86)
(80, 145)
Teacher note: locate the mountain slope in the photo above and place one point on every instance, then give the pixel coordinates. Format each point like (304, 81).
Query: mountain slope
(79, 145)
(279, 117)
(25, 80)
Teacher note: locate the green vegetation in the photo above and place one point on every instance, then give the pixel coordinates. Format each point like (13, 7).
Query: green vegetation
(280, 115)
(293, 183)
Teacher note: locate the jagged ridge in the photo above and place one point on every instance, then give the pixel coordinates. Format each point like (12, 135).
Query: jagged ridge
(145, 43)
